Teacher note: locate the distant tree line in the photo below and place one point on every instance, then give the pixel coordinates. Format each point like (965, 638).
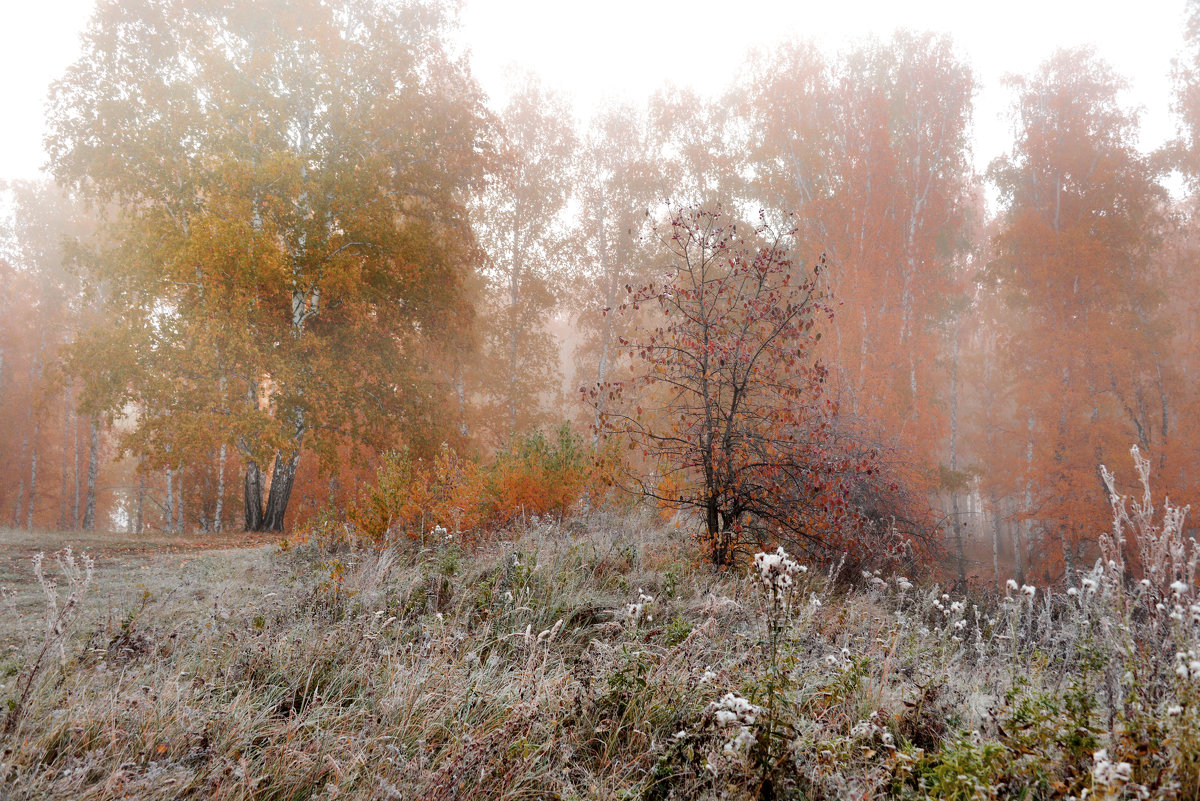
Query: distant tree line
(290, 237)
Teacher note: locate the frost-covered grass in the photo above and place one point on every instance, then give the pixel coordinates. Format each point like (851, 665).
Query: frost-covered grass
(125, 565)
(598, 659)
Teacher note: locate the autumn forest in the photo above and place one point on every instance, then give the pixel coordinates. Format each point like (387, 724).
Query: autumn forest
(292, 266)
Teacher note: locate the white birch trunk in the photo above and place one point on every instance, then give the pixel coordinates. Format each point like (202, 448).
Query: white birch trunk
(77, 519)
(179, 501)
(220, 510)
(33, 477)
(93, 472)
(169, 521)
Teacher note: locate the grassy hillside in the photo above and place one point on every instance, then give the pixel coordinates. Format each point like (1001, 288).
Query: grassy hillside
(593, 659)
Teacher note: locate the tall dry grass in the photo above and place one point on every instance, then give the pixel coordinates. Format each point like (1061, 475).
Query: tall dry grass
(597, 659)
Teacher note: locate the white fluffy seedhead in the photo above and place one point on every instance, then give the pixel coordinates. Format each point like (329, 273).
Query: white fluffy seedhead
(732, 709)
(1107, 773)
(777, 573)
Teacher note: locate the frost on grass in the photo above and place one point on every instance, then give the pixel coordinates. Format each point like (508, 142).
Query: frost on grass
(597, 658)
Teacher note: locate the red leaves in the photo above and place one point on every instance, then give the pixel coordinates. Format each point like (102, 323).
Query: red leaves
(737, 419)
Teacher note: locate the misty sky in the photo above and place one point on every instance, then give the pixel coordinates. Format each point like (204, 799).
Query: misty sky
(626, 49)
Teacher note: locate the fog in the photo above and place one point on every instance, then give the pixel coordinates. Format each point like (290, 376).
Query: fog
(275, 242)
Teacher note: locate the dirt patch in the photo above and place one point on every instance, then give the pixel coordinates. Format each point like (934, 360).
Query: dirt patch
(18, 547)
(126, 567)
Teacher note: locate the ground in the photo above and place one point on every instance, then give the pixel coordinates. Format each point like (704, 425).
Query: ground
(124, 563)
(598, 657)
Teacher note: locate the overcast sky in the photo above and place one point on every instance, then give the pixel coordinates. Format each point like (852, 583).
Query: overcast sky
(626, 49)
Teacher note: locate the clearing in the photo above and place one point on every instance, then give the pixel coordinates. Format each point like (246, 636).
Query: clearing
(126, 565)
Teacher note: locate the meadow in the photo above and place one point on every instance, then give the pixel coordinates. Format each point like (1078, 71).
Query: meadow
(592, 656)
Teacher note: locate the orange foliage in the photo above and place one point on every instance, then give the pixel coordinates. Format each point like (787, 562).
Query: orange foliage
(540, 475)
(534, 475)
(410, 497)
(869, 152)
(1079, 330)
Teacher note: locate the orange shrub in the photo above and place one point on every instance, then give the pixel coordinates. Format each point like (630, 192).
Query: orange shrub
(547, 475)
(410, 497)
(534, 474)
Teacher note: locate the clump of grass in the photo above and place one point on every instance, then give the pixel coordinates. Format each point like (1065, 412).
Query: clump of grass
(60, 614)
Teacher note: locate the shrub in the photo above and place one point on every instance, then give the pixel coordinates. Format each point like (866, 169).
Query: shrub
(410, 497)
(535, 474)
(546, 475)
(60, 615)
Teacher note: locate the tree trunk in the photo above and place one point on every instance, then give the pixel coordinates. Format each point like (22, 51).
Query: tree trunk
(179, 501)
(995, 541)
(36, 379)
(1162, 395)
(33, 477)
(959, 548)
(1018, 548)
(282, 476)
(220, 510)
(16, 518)
(954, 511)
(1068, 554)
(514, 337)
(78, 521)
(169, 508)
(1027, 506)
(281, 490)
(89, 512)
(141, 500)
(715, 534)
(253, 497)
(460, 394)
(62, 491)
(606, 329)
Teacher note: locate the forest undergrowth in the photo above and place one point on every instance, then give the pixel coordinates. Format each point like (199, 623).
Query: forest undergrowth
(596, 657)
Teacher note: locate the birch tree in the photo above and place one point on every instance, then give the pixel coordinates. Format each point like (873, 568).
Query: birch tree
(291, 178)
(520, 220)
(1081, 222)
